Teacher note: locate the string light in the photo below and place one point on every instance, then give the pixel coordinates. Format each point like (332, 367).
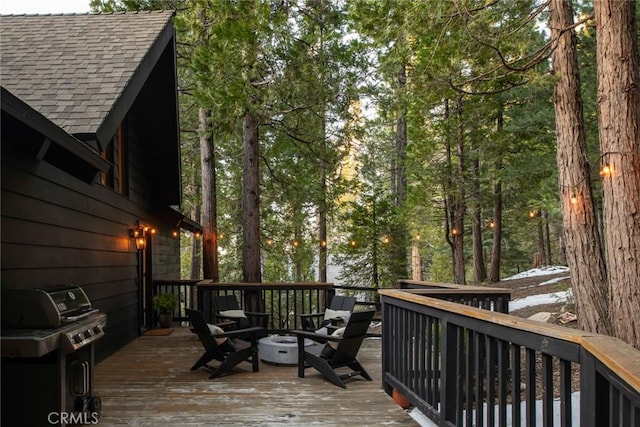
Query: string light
(606, 171)
(353, 243)
(386, 239)
(454, 231)
(574, 198)
(323, 243)
(492, 224)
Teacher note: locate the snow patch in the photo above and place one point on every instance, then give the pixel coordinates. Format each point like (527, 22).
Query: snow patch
(542, 299)
(542, 271)
(553, 281)
(424, 421)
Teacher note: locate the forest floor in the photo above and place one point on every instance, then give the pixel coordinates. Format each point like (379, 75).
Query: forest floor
(545, 289)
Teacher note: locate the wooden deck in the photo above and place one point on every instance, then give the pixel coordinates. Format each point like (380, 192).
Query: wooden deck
(148, 383)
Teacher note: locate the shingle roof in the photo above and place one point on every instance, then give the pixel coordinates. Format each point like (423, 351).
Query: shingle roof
(73, 68)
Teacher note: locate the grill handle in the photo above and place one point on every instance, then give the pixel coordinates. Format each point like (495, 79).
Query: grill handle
(80, 378)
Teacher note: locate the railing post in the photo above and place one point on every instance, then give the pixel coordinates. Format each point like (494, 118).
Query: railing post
(205, 302)
(587, 390)
(448, 374)
(386, 347)
(328, 297)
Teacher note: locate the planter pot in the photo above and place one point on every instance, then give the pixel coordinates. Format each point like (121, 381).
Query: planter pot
(165, 320)
(400, 399)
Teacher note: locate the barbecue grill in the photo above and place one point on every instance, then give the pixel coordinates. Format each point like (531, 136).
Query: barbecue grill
(47, 345)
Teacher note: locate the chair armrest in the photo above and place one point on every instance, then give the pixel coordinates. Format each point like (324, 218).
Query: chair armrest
(251, 313)
(227, 318)
(315, 337)
(309, 315)
(224, 325)
(236, 332)
(311, 321)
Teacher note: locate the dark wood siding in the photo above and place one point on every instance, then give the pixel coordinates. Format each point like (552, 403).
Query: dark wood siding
(57, 229)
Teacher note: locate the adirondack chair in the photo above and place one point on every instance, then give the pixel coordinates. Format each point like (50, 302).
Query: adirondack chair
(340, 350)
(339, 307)
(221, 346)
(228, 309)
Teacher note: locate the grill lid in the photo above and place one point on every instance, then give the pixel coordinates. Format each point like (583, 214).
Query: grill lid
(44, 307)
(67, 338)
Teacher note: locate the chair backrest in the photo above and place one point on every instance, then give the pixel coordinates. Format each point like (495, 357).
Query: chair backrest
(226, 302)
(354, 333)
(339, 302)
(201, 328)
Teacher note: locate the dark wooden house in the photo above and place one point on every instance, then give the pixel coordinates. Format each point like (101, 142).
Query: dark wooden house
(90, 147)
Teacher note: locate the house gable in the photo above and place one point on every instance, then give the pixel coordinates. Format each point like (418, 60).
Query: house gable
(87, 73)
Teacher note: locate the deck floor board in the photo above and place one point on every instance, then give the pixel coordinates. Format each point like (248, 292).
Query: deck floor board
(148, 382)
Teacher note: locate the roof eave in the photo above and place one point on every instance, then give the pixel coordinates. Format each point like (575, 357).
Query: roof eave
(15, 107)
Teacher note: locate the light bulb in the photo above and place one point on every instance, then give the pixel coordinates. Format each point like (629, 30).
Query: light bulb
(606, 171)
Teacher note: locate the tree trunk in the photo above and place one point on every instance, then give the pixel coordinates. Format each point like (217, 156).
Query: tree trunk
(584, 253)
(619, 126)
(322, 233)
(250, 200)
(399, 182)
(196, 252)
(460, 207)
(416, 264)
(496, 245)
(251, 271)
(322, 209)
(547, 238)
(542, 247)
(196, 215)
(210, 263)
(455, 200)
(479, 268)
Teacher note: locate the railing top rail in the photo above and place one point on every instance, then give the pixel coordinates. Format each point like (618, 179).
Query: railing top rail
(176, 281)
(621, 358)
(452, 286)
(460, 291)
(554, 331)
(356, 288)
(264, 285)
(612, 352)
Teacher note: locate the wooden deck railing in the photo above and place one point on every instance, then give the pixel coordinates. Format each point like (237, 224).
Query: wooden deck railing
(493, 299)
(185, 290)
(283, 301)
(462, 365)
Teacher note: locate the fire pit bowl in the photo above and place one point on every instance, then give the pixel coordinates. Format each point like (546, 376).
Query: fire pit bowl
(280, 350)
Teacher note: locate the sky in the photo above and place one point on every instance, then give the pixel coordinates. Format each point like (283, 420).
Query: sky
(43, 6)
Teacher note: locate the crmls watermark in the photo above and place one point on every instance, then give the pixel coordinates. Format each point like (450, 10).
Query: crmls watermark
(60, 418)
